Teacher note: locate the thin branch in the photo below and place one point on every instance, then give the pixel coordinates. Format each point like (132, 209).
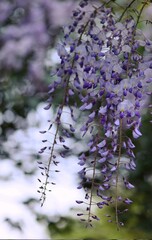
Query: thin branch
(126, 10)
(141, 10)
(117, 173)
(92, 187)
(43, 194)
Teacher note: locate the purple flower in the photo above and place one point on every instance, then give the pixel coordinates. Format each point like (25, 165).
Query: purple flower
(103, 76)
(136, 133)
(101, 144)
(102, 160)
(128, 185)
(81, 162)
(128, 201)
(79, 202)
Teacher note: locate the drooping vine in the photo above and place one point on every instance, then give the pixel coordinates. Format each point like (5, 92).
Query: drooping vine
(105, 75)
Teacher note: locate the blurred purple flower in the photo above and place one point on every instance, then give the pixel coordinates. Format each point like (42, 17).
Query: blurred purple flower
(27, 31)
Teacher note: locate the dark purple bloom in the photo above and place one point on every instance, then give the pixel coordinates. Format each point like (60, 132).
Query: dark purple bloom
(79, 202)
(128, 201)
(67, 148)
(72, 128)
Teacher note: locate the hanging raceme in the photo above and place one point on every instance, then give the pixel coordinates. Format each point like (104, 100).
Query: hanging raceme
(103, 73)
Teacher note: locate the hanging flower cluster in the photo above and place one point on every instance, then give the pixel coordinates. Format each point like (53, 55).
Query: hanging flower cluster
(105, 74)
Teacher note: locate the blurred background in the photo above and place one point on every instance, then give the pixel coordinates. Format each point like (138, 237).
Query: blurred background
(29, 31)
